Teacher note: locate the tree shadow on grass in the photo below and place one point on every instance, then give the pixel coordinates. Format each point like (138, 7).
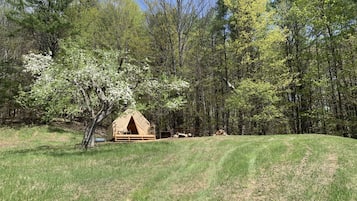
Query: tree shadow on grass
(53, 129)
(59, 151)
(42, 149)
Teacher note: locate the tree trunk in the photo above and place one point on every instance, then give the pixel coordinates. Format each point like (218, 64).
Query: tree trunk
(91, 125)
(89, 138)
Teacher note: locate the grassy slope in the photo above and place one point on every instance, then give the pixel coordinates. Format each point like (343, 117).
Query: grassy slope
(42, 164)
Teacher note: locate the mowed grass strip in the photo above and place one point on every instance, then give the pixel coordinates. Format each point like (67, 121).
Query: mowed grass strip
(42, 163)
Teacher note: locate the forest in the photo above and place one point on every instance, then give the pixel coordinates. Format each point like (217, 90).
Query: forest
(251, 67)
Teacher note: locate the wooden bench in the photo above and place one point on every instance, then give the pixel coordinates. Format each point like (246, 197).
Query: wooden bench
(128, 138)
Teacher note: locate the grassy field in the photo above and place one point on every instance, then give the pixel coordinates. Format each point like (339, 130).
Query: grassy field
(42, 163)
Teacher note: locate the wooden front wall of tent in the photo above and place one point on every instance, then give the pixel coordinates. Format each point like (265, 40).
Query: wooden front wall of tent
(132, 126)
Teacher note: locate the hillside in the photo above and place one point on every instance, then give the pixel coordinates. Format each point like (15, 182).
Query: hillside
(42, 163)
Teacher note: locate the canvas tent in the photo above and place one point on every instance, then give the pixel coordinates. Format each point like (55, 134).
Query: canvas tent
(132, 125)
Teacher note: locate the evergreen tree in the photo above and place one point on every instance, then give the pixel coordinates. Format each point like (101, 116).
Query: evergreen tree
(46, 21)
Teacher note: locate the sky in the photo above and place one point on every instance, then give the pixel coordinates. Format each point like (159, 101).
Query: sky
(141, 4)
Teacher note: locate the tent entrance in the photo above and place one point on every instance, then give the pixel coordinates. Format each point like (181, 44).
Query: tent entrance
(132, 126)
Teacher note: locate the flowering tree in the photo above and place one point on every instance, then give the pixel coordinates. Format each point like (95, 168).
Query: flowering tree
(91, 84)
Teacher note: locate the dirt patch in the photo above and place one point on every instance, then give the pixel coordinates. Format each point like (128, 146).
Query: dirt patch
(302, 167)
(329, 167)
(8, 144)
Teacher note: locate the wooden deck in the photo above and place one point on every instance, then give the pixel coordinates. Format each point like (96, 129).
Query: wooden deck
(132, 137)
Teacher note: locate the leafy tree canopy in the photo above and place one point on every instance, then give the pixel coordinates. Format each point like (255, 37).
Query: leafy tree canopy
(256, 102)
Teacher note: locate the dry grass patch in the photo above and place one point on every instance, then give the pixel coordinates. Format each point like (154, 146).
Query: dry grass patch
(309, 179)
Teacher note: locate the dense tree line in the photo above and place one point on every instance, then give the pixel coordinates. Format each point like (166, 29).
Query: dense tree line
(252, 66)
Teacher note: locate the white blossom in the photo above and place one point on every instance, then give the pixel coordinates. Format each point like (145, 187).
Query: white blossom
(36, 63)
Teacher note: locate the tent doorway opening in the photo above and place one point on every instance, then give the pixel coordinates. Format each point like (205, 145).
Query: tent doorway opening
(132, 129)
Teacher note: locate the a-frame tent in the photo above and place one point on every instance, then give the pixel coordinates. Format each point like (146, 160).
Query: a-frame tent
(132, 125)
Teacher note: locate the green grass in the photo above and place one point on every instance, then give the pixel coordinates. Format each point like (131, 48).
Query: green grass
(42, 163)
